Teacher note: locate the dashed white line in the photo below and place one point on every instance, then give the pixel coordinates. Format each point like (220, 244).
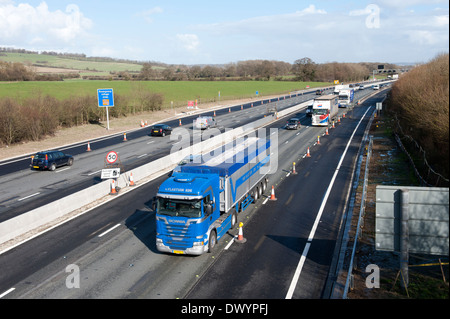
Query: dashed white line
(26, 197)
(111, 229)
(142, 155)
(7, 292)
(94, 172)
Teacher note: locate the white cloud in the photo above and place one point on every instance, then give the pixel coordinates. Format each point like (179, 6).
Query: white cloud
(148, 14)
(189, 41)
(24, 24)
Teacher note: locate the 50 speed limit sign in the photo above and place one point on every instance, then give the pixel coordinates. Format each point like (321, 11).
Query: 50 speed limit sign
(112, 157)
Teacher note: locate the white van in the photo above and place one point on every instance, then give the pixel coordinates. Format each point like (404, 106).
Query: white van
(376, 87)
(205, 122)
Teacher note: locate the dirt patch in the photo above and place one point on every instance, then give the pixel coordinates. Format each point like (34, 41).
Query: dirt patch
(389, 166)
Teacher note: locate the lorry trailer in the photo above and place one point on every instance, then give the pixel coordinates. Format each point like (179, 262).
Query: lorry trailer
(324, 109)
(346, 97)
(196, 206)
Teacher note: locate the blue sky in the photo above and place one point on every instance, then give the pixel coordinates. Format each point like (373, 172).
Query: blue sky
(218, 32)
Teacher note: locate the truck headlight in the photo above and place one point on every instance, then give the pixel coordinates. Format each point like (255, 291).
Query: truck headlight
(198, 243)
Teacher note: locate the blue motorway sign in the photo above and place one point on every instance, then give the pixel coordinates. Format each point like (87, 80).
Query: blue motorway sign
(105, 97)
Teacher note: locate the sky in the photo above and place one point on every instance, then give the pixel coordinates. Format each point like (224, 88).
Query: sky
(220, 32)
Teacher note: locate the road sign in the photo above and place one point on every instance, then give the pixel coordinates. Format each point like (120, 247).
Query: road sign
(111, 157)
(105, 97)
(108, 173)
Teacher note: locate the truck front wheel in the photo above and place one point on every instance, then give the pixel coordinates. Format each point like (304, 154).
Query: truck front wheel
(212, 240)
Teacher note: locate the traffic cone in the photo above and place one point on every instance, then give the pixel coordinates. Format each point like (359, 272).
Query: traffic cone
(229, 110)
(145, 123)
(272, 196)
(326, 131)
(333, 125)
(343, 115)
(179, 122)
(242, 107)
(293, 169)
(142, 123)
(214, 113)
(252, 105)
(131, 180)
(318, 140)
(307, 153)
(241, 238)
(113, 188)
(88, 147)
(339, 119)
(124, 137)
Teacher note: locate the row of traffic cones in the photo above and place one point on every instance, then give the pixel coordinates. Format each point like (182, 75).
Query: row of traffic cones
(88, 149)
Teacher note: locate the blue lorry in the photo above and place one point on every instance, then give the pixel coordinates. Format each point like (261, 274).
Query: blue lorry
(197, 205)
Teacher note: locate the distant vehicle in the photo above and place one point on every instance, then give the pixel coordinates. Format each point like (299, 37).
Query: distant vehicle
(160, 129)
(376, 87)
(319, 92)
(51, 160)
(324, 109)
(205, 122)
(293, 124)
(339, 87)
(361, 87)
(346, 97)
(309, 110)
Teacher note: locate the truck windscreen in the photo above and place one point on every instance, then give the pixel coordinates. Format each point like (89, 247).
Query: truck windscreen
(182, 208)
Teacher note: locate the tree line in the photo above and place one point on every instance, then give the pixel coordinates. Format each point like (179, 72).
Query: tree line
(420, 101)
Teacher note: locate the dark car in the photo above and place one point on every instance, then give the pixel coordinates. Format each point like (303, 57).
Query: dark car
(319, 92)
(51, 160)
(293, 124)
(160, 129)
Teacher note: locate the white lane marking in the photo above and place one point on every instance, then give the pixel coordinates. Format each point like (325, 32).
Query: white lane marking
(230, 243)
(265, 201)
(111, 229)
(150, 142)
(94, 172)
(26, 197)
(7, 292)
(142, 155)
(318, 217)
(62, 170)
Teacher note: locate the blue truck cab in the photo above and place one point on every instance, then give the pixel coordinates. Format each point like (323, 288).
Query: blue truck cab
(198, 205)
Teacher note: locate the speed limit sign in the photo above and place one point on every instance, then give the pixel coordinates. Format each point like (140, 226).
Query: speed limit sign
(111, 157)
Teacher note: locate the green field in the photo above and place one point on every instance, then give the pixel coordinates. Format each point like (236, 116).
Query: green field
(177, 91)
(67, 63)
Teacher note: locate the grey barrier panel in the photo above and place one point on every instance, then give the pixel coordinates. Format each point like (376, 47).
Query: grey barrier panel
(428, 222)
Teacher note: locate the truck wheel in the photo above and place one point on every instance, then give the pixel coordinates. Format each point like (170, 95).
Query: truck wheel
(212, 240)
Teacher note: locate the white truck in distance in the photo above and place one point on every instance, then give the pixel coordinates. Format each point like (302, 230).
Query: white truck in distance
(324, 109)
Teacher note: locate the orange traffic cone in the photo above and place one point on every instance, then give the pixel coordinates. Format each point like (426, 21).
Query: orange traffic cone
(142, 123)
(214, 113)
(333, 125)
(179, 122)
(240, 239)
(88, 147)
(307, 153)
(131, 180)
(229, 110)
(326, 131)
(113, 188)
(293, 169)
(318, 140)
(272, 196)
(343, 115)
(242, 107)
(124, 137)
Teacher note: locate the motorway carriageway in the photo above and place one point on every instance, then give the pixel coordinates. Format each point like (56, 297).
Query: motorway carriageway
(114, 245)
